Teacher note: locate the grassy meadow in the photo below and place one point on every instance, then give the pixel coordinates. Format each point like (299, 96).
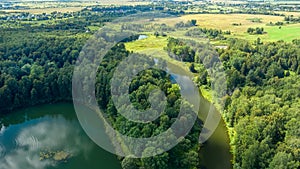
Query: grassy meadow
(154, 46)
(225, 22)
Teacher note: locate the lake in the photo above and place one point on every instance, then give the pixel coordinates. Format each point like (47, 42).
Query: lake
(49, 137)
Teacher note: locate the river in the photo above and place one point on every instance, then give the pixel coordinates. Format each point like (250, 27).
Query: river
(215, 152)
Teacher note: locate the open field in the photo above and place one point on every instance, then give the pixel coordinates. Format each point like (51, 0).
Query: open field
(46, 10)
(154, 46)
(286, 33)
(225, 22)
(39, 7)
(151, 42)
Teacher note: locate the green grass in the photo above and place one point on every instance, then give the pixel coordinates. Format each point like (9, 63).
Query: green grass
(94, 28)
(206, 93)
(151, 42)
(286, 33)
(154, 46)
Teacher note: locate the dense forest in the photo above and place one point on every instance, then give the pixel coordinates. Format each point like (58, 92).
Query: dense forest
(185, 154)
(263, 108)
(35, 68)
(37, 61)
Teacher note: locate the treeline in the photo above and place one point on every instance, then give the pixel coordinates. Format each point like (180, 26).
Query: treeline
(255, 31)
(185, 154)
(292, 19)
(35, 68)
(207, 33)
(147, 27)
(188, 24)
(79, 22)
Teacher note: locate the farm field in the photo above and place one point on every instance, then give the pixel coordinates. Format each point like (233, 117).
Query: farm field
(46, 10)
(153, 46)
(286, 33)
(225, 22)
(39, 7)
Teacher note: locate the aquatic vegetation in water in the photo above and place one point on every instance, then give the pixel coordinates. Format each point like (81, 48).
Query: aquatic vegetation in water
(57, 156)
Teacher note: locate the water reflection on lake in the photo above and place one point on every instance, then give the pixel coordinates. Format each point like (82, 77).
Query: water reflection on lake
(49, 141)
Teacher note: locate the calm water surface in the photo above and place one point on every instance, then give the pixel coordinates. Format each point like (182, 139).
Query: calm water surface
(215, 152)
(27, 134)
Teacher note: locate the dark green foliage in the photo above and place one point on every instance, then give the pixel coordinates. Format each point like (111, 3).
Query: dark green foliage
(264, 103)
(35, 68)
(130, 163)
(204, 32)
(156, 162)
(247, 65)
(185, 153)
(292, 19)
(192, 68)
(283, 160)
(194, 22)
(180, 51)
(255, 31)
(188, 24)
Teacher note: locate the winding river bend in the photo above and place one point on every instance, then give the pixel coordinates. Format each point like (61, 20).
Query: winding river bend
(215, 152)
